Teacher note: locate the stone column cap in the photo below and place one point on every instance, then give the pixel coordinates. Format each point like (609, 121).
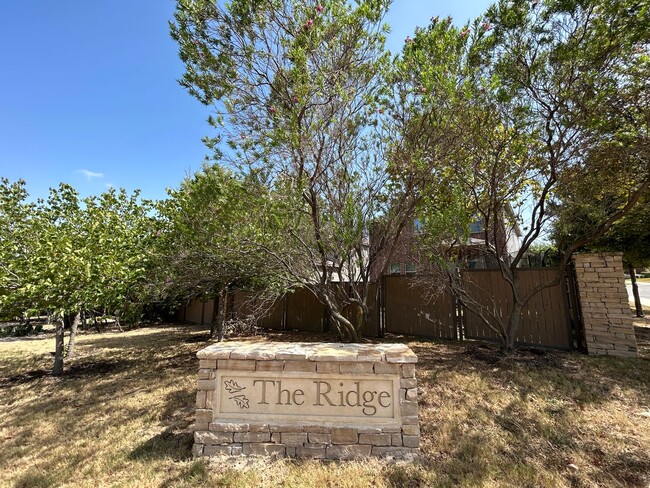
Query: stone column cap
(309, 351)
(591, 255)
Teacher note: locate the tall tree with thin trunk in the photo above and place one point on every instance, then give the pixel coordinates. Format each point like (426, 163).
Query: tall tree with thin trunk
(295, 88)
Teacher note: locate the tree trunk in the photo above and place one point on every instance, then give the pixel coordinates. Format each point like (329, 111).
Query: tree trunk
(223, 314)
(513, 327)
(73, 334)
(214, 318)
(58, 348)
(361, 319)
(635, 292)
(343, 325)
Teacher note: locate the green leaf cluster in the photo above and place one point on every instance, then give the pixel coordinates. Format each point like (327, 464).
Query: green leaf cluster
(67, 254)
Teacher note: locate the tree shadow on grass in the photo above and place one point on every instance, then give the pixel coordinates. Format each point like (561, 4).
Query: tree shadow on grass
(175, 442)
(179, 408)
(145, 338)
(36, 479)
(631, 469)
(180, 361)
(78, 370)
(24, 378)
(97, 368)
(405, 476)
(169, 444)
(198, 338)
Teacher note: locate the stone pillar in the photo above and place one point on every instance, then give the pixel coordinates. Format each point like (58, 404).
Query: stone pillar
(604, 304)
(309, 400)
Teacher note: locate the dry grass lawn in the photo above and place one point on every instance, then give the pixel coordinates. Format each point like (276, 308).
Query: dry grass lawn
(122, 413)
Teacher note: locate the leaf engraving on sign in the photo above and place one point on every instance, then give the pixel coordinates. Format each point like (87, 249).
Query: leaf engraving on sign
(232, 386)
(241, 401)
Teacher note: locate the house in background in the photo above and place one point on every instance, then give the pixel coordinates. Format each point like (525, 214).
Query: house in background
(407, 257)
(508, 241)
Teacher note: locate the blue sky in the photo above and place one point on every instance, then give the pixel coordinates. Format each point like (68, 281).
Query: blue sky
(88, 92)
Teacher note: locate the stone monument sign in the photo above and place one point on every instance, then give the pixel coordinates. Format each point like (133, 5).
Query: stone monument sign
(323, 400)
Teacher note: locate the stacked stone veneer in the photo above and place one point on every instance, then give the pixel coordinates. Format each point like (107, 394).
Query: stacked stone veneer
(277, 432)
(604, 305)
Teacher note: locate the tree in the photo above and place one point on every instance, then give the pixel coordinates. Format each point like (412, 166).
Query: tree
(537, 97)
(57, 271)
(117, 234)
(295, 88)
(15, 247)
(205, 244)
(630, 235)
(67, 255)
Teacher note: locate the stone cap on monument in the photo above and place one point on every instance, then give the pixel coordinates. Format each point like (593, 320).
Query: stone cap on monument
(303, 351)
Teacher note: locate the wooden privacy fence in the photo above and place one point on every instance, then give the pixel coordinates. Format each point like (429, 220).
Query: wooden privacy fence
(410, 308)
(296, 310)
(545, 320)
(407, 306)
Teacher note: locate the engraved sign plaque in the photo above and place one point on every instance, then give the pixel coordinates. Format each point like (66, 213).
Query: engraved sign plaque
(318, 398)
